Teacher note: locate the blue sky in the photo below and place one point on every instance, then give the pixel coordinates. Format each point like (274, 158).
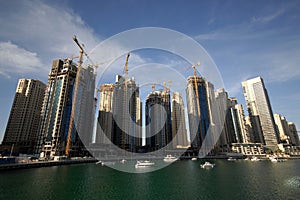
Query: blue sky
(244, 38)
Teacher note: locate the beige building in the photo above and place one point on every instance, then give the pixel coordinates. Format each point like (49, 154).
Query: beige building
(105, 118)
(260, 112)
(23, 123)
(179, 131)
(283, 128)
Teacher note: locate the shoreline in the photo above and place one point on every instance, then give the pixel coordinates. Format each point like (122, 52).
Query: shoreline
(40, 164)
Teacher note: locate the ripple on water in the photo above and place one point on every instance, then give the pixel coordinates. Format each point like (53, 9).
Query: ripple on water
(293, 182)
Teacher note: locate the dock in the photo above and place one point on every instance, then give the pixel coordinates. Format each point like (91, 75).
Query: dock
(38, 164)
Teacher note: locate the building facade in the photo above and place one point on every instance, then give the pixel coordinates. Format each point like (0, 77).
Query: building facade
(178, 121)
(158, 120)
(57, 108)
(126, 114)
(240, 130)
(105, 115)
(294, 134)
(282, 128)
(24, 119)
(198, 110)
(260, 112)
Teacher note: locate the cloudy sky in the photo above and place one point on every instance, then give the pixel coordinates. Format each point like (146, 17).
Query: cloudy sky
(245, 39)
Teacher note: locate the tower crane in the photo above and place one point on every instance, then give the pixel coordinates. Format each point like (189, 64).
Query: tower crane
(153, 85)
(126, 66)
(125, 106)
(166, 88)
(76, 85)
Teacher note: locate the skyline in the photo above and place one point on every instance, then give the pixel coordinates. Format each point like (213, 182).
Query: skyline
(245, 41)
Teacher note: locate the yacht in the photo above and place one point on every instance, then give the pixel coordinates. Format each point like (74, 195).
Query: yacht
(207, 165)
(123, 161)
(170, 158)
(254, 159)
(108, 163)
(143, 164)
(98, 162)
(275, 159)
(231, 159)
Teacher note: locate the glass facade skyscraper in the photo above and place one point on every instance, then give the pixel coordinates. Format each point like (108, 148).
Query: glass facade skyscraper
(57, 109)
(198, 110)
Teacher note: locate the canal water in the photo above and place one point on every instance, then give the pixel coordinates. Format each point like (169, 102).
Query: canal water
(181, 180)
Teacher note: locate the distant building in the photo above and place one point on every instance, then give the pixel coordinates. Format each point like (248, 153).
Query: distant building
(294, 138)
(283, 128)
(223, 108)
(260, 112)
(126, 113)
(249, 128)
(241, 133)
(178, 121)
(158, 120)
(57, 108)
(105, 116)
(23, 123)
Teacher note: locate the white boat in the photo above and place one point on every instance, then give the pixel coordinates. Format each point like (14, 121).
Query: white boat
(108, 163)
(255, 159)
(143, 164)
(275, 159)
(170, 158)
(231, 159)
(194, 159)
(123, 161)
(99, 162)
(207, 165)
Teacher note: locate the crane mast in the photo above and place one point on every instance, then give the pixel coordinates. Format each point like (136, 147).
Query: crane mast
(125, 103)
(76, 85)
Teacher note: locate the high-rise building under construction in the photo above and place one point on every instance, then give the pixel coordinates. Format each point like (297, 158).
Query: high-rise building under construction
(202, 113)
(57, 108)
(158, 120)
(126, 110)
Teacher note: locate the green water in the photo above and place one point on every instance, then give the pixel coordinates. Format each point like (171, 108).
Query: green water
(181, 180)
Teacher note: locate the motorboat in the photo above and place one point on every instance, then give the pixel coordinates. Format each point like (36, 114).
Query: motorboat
(193, 159)
(275, 159)
(108, 163)
(98, 162)
(143, 164)
(207, 165)
(231, 159)
(255, 159)
(123, 161)
(170, 158)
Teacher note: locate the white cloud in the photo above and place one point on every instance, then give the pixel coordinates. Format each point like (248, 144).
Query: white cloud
(40, 33)
(14, 59)
(269, 18)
